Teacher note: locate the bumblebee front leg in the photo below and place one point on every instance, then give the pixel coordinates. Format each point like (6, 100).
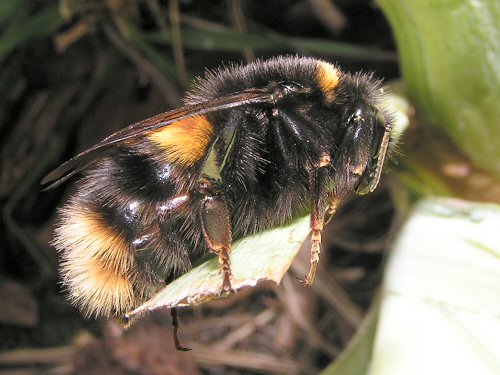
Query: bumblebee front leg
(216, 224)
(332, 208)
(318, 185)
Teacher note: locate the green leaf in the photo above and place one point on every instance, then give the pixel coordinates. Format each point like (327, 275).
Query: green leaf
(11, 10)
(440, 308)
(262, 256)
(450, 59)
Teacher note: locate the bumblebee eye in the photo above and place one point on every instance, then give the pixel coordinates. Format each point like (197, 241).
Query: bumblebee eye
(379, 132)
(381, 136)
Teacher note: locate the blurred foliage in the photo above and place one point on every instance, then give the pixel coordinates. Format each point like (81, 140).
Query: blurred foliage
(450, 59)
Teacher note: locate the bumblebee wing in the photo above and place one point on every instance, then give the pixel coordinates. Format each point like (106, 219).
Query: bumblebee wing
(87, 157)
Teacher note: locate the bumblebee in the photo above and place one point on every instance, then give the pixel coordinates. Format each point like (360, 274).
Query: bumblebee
(253, 147)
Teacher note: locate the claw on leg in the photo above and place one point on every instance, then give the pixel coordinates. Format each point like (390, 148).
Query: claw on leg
(176, 328)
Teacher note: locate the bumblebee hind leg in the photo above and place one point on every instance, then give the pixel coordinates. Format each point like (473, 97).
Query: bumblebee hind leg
(176, 328)
(216, 226)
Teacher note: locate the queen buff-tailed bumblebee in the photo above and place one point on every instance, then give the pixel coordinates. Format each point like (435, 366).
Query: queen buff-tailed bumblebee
(253, 147)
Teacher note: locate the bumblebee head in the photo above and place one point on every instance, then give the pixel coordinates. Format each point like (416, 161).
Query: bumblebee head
(366, 134)
(381, 134)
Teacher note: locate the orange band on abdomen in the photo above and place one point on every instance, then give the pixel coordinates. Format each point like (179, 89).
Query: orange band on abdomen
(184, 142)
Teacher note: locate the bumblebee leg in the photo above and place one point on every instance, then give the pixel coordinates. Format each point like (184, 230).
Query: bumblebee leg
(319, 193)
(332, 208)
(176, 328)
(217, 231)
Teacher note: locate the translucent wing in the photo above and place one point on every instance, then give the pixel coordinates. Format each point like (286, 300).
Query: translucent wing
(87, 157)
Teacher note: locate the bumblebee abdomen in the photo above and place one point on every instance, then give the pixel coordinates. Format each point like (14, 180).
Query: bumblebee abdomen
(116, 232)
(98, 266)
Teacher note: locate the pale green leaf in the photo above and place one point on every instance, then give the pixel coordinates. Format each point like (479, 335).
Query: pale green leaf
(440, 310)
(262, 256)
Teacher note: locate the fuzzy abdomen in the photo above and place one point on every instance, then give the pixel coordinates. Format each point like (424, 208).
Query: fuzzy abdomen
(117, 235)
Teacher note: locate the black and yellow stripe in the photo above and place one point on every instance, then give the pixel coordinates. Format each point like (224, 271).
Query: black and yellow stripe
(98, 268)
(328, 79)
(185, 141)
